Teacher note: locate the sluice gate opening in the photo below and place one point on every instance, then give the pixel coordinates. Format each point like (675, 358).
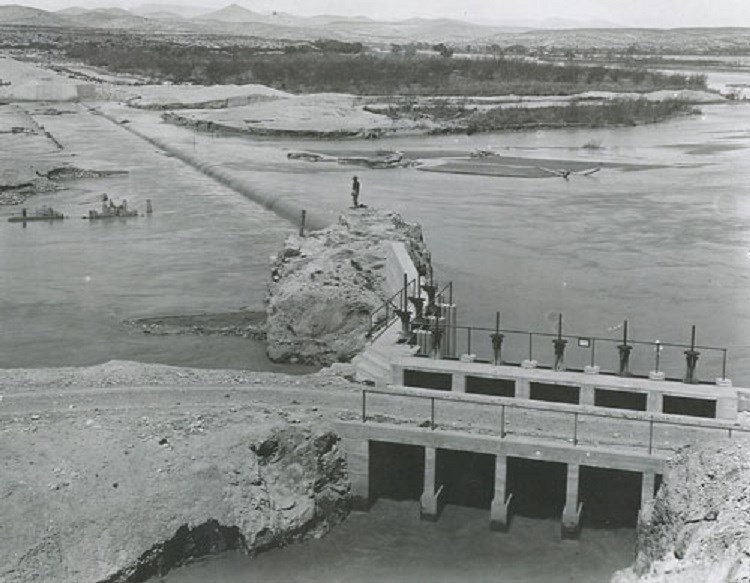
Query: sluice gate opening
(396, 471)
(690, 406)
(428, 380)
(555, 393)
(490, 386)
(538, 487)
(611, 498)
(620, 400)
(467, 478)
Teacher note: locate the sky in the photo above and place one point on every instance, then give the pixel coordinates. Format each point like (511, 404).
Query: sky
(647, 13)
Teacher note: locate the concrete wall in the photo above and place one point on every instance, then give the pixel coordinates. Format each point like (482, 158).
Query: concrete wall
(397, 263)
(354, 434)
(728, 399)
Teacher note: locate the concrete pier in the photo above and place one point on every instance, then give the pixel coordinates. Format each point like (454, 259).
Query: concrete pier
(499, 511)
(428, 503)
(571, 518)
(648, 485)
(358, 460)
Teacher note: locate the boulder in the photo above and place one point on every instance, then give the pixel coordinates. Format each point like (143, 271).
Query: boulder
(325, 286)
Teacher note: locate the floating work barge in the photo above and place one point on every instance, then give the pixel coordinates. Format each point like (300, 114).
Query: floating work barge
(110, 210)
(43, 214)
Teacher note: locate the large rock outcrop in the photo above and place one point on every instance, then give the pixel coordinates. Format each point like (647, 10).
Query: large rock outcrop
(127, 494)
(326, 285)
(697, 529)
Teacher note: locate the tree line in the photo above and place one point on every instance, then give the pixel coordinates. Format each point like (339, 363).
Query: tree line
(331, 66)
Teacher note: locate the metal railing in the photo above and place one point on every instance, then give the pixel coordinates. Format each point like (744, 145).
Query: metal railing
(383, 316)
(582, 351)
(575, 413)
(447, 290)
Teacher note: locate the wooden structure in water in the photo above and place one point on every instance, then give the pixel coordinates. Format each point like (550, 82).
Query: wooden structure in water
(43, 214)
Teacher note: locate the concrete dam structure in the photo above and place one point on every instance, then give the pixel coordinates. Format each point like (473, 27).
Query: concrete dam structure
(543, 439)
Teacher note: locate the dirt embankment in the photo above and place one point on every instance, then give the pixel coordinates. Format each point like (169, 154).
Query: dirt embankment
(696, 529)
(18, 185)
(325, 286)
(123, 484)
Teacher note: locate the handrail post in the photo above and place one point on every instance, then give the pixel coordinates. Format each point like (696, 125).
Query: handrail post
(502, 421)
(404, 301)
(691, 359)
(364, 405)
(559, 346)
(650, 435)
(624, 350)
(575, 428)
(724, 364)
(432, 413)
(497, 342)
(468, 340)
(593, 352)
(531, 346)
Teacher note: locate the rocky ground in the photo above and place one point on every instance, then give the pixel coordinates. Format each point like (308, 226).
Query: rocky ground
(244, 323)
(326, 285)
(124, 483)
(697, 529)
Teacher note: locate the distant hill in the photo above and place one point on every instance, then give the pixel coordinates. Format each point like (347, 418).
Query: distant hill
(72, 11)
(15, 14)
(688, 40)
(118, 18)
(234, 13)
(236, 20)
(164, 10)
(110, 18)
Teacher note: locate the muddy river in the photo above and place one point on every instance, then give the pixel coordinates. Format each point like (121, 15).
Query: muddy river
(665, 247)
(390, 543)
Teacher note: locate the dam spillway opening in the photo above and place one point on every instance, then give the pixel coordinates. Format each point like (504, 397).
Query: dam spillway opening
(628, 400)
(553, 393)
(468, 478)
(428, 380)
(489, 386)
(611, 498)
(538, 487)
(690, 406)
(396, 471)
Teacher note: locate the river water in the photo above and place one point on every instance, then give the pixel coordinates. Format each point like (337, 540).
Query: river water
(665, 247)
(390, 543)
(66, 287)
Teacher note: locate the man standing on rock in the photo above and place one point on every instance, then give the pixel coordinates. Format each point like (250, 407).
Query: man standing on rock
(355, 192)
